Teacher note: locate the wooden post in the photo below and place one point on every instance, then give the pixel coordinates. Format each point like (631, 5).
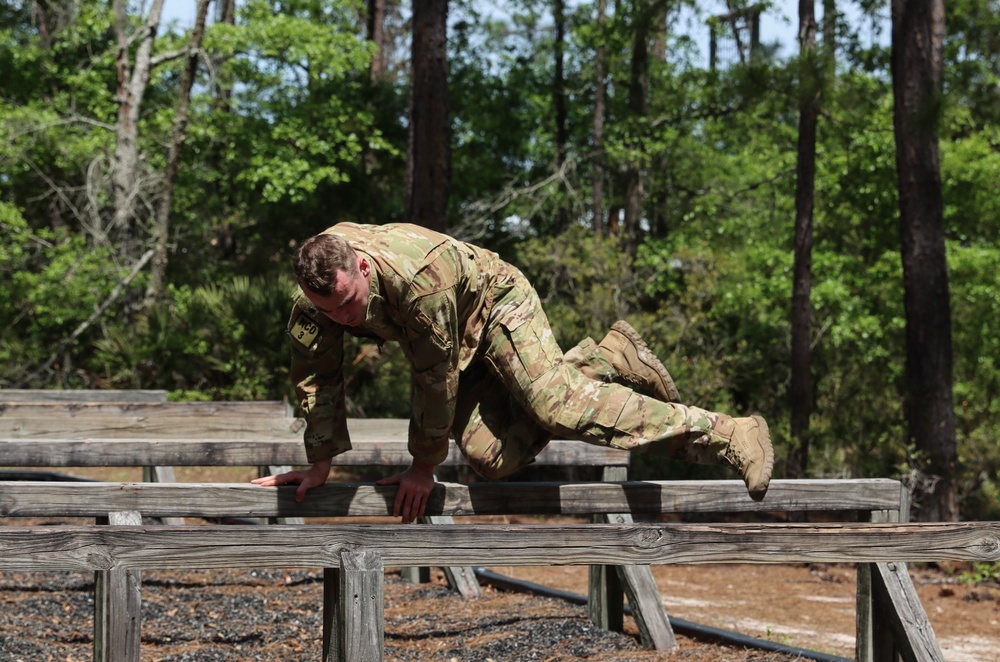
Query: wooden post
(902, 614)
(162, 475)
(118, 606)
(606, 599)
(353, 614)
(647, 607)
(608, 588)
(873, 642)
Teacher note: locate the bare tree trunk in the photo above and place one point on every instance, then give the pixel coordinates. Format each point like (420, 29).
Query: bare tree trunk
(376, 35)
(227, 15)
(161, 231)
(829, 38)
(801, 386)
(638, 89)
(600, 93)
(918, 31)
(376, 69)
(559, 101)
(132, 84)
(428, 168)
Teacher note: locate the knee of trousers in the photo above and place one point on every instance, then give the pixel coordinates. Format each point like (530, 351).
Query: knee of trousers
(566, 402)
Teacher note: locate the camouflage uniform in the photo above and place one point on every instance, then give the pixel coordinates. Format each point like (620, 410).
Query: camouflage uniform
(486, 367)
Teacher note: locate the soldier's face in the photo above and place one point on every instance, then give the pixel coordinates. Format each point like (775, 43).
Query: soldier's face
(348, 304)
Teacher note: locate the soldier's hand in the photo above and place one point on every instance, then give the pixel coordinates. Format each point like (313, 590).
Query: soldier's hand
(306, 479)
(415, 485)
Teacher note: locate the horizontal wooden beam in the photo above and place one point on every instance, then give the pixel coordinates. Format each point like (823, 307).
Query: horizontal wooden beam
(244, 408)
(82, 395)
(48, 499)
(79, 548)
(370, 448)
(130, 427)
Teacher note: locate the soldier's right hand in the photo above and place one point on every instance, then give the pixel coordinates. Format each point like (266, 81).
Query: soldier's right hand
(306, 479)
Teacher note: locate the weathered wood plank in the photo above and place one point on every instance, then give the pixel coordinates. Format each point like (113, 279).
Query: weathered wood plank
(131, 427)
(243, 408)
(42, 548)
(873, 640)
(56, 499)
(370, 449)
(647, 607)
(118, 605)
(362, 624)
(82, 395)
(899, 604)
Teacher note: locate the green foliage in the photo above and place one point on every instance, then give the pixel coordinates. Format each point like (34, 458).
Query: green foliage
(287, 135)
(53, 281)
(220, 339)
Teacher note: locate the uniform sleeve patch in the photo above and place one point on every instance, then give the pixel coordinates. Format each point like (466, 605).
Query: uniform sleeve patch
(304, 330)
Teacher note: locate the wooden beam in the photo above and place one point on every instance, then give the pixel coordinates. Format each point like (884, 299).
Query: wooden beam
(81, 395)
(43, 548)
(68, 499)
(131, 427)
(247, 409)
(369, 450)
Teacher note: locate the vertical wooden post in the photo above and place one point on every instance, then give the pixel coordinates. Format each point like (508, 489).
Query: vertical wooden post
(606, 599)
(610, 584)
(353, 608)
(118, 606)
(873, 641)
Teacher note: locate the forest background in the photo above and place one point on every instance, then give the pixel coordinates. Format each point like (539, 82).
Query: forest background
(155, 179)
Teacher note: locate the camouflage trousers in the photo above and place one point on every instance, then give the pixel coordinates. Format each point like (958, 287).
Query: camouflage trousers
(522, 392)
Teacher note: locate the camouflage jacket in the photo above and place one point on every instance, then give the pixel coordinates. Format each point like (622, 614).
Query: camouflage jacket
(430, 293)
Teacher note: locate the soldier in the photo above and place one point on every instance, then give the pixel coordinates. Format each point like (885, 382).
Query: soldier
(486, 368)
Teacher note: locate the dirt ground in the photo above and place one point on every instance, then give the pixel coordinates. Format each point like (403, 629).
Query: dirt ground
(203, 616)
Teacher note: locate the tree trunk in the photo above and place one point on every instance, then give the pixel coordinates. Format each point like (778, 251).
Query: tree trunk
(600, 93)
(917, 45)
(801, 386)
(376, 35)
(161, 231)
(559, 103)
(226, 15)
(638, 88)
(131, 88)
(428, 170)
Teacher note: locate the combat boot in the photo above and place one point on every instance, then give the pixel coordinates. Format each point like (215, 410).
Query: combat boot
(638, 367)
(745, 445)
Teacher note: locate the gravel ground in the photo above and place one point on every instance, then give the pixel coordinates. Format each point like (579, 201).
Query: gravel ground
(274, 615)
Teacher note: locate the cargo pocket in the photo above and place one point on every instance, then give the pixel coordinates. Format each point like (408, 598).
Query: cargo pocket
(530, 340)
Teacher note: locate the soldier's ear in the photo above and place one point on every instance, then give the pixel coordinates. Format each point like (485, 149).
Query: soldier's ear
(364, 267)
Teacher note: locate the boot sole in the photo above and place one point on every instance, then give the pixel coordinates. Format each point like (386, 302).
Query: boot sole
(764, 477)
(647, 357)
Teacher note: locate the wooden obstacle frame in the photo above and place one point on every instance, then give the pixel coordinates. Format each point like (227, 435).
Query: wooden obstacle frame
(890, 619)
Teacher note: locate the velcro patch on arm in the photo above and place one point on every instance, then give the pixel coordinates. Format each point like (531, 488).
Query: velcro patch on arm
(303, 329)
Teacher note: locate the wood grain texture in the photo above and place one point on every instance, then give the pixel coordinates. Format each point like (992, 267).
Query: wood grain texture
(58, 499)
(39, 548)
(65, 409)
(370, 449)
(133, 427)
(82, 395)
(905, 617)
